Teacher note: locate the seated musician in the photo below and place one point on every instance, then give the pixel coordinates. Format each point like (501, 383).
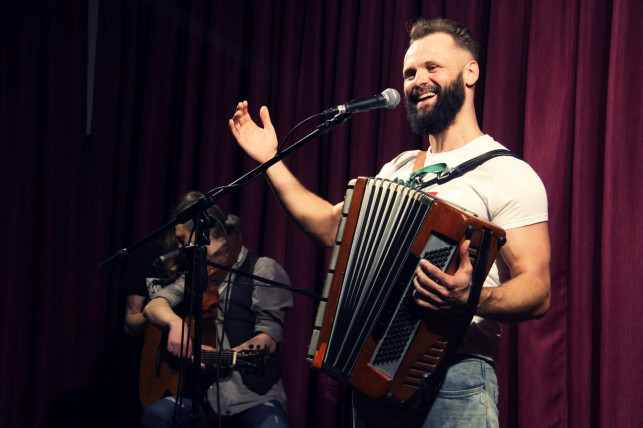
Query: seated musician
(440, 71)
(248, 316)
(142, 279)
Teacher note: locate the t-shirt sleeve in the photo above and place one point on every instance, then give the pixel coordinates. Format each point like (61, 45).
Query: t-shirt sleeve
(269, 303)
(518, 198)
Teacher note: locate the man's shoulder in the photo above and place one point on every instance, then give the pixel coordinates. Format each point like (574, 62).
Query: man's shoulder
(399, 162)
(405, 157)
(484, 145)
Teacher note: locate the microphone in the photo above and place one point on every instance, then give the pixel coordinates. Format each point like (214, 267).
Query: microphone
(172, 254)
(390, 98)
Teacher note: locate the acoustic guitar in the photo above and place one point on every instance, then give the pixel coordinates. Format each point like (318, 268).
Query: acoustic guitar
(160, 370)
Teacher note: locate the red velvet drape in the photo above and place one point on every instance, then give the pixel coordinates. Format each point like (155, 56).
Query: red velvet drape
(559, 86)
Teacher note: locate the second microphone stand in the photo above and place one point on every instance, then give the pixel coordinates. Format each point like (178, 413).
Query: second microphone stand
(196, 281)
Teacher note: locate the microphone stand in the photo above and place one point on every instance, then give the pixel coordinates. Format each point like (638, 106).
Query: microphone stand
(196, 281)
(196, 273)
(210, 199)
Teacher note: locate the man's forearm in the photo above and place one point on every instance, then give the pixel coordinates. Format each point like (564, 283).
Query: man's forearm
(315, 216)
(523, 298)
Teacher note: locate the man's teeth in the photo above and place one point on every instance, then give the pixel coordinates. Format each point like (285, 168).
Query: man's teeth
(426, 95)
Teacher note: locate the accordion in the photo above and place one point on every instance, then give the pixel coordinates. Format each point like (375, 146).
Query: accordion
(369, 332)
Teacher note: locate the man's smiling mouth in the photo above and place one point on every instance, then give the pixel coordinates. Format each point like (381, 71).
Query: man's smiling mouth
(423, 97)
(426, 95)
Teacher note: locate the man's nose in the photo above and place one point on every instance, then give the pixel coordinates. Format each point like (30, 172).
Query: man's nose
(421, 77)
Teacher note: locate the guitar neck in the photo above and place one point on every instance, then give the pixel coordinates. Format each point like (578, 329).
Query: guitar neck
(223, 358)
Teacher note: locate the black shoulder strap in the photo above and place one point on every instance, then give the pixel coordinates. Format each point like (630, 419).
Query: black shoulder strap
(464, 167)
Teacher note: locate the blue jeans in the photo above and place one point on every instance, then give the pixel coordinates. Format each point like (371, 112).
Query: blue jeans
(269, 414)
(468, 398)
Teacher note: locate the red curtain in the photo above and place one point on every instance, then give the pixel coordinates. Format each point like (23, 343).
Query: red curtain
(559, 86)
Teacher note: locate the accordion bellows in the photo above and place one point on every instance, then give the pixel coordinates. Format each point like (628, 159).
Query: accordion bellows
(369, 331)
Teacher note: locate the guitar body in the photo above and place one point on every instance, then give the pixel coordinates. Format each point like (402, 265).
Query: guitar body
(157, 377)
(160, 371)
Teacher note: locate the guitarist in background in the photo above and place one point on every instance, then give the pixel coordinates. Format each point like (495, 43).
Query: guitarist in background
(247, 316)
(141, 279)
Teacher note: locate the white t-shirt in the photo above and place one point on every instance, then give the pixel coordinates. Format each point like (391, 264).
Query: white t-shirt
(504, 191)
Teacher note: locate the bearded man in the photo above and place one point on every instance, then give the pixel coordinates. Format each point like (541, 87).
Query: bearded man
(440, 72)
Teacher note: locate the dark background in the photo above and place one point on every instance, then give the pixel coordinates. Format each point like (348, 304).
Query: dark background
(111, 111)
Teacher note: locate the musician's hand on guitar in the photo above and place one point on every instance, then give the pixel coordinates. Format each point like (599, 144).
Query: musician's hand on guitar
(177, 336)
(439, 291)
(260, 341)
(259, 143)
(207, 367)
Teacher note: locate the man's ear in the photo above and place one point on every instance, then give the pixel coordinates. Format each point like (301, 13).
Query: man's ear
(471, 73)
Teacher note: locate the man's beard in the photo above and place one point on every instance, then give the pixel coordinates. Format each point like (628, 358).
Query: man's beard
(443, 113)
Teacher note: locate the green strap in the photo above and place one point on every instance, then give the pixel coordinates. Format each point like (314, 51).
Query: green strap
(433, 169)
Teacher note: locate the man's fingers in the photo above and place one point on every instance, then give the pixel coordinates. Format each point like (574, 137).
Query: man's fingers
(265, 117)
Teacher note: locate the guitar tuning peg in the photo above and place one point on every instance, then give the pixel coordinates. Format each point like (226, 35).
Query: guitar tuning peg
(251, 346)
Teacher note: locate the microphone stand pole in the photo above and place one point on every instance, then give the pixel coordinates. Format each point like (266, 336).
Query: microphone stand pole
(196, 280)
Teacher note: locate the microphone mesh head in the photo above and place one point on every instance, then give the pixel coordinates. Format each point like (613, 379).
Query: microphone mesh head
(392, 97)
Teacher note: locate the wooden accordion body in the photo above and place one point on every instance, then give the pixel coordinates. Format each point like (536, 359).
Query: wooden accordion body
(369, 331)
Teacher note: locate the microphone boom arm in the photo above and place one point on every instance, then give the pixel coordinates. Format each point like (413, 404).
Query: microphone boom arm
(210, 199)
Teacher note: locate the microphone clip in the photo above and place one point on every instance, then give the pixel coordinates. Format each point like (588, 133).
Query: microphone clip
(334, 122)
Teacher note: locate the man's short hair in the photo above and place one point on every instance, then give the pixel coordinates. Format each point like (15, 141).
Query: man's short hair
(460, 33)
